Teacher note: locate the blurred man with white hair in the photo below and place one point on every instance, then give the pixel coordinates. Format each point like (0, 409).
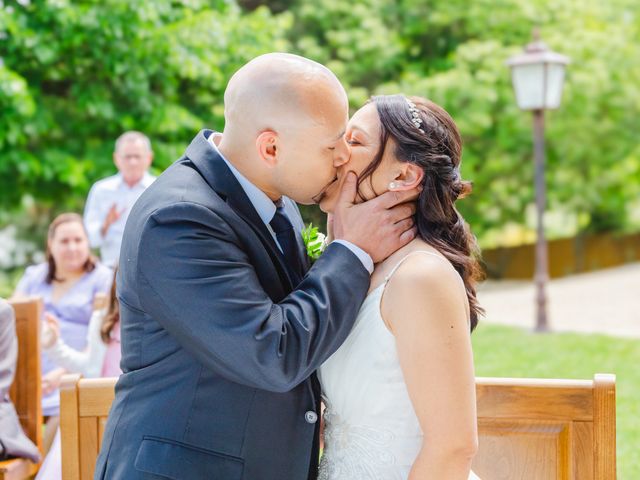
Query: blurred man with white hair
(110, 199)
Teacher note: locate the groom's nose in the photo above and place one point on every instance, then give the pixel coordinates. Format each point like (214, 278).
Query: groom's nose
(342, 153)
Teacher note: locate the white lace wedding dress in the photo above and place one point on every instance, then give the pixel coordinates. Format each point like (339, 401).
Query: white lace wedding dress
(371, 431)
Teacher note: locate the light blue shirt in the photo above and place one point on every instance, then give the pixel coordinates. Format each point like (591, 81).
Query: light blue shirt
(266, 209)
(103, 195)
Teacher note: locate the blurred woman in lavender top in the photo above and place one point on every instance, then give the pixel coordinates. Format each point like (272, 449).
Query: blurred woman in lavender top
(101, 358)
(67, 282)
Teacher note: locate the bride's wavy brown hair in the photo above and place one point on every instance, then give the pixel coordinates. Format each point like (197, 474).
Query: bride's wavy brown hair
(437, 149)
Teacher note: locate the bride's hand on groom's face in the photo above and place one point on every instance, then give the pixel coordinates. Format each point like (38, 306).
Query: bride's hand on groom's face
(379, 226)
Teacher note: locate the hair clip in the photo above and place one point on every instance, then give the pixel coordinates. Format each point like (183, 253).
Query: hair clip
(415, 115)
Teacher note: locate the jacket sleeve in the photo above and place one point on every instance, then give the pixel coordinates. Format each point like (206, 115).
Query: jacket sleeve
(196, 280)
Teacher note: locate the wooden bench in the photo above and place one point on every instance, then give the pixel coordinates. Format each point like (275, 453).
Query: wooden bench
(546, 429)
(26, 390)
(84, 407)
(529, 428)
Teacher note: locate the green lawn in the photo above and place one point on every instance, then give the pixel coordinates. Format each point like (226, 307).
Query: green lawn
(511, 352)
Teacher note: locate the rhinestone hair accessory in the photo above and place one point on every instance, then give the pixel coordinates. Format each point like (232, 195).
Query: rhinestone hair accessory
(415, 115)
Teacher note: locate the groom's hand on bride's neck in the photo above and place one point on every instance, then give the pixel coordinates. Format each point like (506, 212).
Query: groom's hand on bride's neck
(379, 226)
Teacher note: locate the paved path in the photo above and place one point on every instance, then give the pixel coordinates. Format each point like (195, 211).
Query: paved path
(607, 301)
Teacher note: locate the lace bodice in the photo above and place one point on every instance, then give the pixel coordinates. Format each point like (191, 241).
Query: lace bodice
(371, 431)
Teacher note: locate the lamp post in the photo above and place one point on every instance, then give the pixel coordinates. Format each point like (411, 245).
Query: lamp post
(538, 79)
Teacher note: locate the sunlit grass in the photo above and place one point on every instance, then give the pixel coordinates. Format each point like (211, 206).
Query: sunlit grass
(511, 352)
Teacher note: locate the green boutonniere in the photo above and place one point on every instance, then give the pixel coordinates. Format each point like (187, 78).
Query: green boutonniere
(314, 241)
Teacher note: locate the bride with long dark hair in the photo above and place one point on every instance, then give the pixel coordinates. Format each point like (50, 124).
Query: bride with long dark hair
(400, 392)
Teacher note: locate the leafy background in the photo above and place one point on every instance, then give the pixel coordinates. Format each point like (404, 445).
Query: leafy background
(74, 75)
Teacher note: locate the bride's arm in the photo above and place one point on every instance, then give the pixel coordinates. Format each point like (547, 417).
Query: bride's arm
(426, 308)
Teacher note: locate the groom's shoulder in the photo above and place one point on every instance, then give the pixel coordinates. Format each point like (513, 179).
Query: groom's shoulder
(179, 184)
(179, 197)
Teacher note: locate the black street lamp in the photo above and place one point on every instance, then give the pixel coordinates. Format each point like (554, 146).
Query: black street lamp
(538, 78)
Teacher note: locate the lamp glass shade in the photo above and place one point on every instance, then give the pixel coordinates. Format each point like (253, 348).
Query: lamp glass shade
(538, 86)
(528, 84)
(555, 84)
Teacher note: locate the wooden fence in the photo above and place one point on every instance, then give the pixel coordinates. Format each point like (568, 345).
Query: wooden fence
(566, 256)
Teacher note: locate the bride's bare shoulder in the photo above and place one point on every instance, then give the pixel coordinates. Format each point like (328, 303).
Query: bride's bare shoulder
(424, 284)
(421, 262)
(425, 269)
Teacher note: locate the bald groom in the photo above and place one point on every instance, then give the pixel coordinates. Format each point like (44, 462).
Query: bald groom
(223, 320)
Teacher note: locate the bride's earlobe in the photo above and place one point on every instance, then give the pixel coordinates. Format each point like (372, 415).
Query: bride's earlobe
(408, 179)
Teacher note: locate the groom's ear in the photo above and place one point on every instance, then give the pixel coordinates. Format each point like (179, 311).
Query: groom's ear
(407, 177)
(267, 145)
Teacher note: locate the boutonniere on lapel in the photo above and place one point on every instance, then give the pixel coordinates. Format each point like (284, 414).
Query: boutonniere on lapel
(314, 241)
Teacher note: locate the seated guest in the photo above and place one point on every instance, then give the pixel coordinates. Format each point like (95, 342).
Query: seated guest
(101, 358)
(13, 441)
(67, 282)
(111, 198)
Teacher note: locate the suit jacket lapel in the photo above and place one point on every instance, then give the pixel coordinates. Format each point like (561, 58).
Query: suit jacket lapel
(216, 173)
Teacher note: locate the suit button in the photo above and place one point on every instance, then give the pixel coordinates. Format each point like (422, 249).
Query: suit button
(311, 416)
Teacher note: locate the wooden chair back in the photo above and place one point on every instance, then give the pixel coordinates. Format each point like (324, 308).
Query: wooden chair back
(529, 428)
(26, 390)
(546, 429)
(84, 407)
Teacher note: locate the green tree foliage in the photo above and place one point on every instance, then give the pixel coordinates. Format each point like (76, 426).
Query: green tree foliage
(76, 74)
(454, 52)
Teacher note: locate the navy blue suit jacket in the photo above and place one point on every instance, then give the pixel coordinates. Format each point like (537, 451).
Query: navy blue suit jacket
(219, 348)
